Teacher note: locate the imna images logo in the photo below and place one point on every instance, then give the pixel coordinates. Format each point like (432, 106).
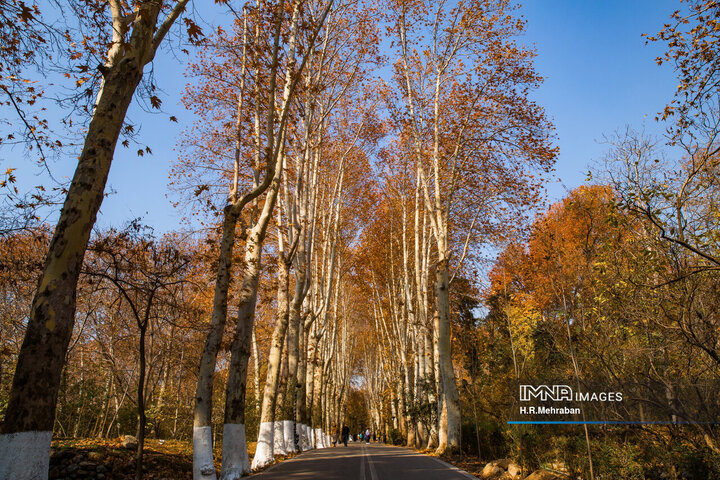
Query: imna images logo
(560, 393)
(555, 393)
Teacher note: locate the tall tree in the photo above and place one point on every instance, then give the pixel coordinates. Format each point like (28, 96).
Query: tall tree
(267, 39)
(476, 137)
(27, 427)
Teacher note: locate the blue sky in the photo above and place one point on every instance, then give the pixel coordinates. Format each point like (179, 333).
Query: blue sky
(600, 76)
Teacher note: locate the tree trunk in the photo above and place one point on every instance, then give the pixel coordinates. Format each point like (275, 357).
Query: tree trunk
(234, 454)
(30, 414)
(235, 462)
(264, 452)
(301, 414)
(177, 391)
(142, 419)
(434, 439)
(100, 430)
(450, 420)
(292, 384)
(79, 412)
(203, 467)
(160, 405)
(256, 368)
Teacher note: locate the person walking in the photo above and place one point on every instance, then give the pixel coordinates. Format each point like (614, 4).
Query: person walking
(367, 436)
(345, 434)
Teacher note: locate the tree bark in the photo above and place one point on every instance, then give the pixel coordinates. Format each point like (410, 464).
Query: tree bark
(235, 460)
(450, 420)
(203, 467)
(264, 452)
(142, 418)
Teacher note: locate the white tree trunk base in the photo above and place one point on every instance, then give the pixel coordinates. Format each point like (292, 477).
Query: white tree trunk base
(319, 438)
(303, 436)
(203, 466)
(279, 438)
(264, 450)
(289, 435)
(235, 462)
(25, 455)
(299, 434)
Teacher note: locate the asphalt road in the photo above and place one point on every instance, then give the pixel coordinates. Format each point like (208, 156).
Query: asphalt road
(360, 461)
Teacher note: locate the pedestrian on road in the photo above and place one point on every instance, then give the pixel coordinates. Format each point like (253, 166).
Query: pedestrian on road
(345, 434)
(367, 436)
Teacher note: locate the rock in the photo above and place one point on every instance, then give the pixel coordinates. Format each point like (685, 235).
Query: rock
(129, 442)
(503, 463)
(492, 471)
(60, 455)
(542, 475)
(95, 456)
(101, 469)
(71, 468)
(514, 470)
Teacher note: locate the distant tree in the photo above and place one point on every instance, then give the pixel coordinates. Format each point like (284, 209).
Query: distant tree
(143, 270)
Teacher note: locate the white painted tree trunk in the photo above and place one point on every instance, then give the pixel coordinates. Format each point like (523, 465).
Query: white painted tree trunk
(264, 454)
(202, 413)
(26, 455)
(202, 421)
(203, 466)
(235, 462)
(450, 426)
(265, 445)
(279, 438)
(289, 435)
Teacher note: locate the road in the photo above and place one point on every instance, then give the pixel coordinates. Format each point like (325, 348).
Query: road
(360, 461)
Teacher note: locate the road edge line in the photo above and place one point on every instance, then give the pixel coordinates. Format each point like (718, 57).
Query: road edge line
(453, 467)
(449, 465)
(277, 463)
